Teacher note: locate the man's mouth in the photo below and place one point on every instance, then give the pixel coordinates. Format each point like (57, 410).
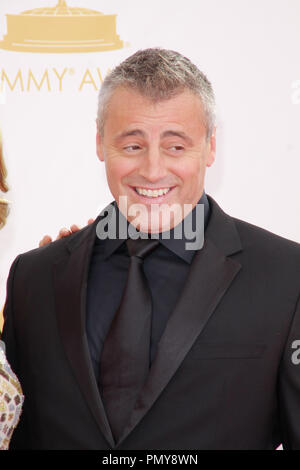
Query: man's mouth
(152, 193)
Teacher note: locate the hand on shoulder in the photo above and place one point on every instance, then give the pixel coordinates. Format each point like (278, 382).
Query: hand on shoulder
(64, 232)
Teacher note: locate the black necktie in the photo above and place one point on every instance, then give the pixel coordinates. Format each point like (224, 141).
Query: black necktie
(125, 358)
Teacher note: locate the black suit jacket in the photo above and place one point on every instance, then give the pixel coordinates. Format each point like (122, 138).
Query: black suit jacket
(231, 382)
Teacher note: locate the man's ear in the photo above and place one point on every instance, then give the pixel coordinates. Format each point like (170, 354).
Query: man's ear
(99, 148)
(211, 148)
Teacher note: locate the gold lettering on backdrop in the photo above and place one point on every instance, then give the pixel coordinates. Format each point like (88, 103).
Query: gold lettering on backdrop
(12, 86)
(100, 76)
(51, 79)
(60, 77)
(84, 81)
(88, 78)
(39, 86)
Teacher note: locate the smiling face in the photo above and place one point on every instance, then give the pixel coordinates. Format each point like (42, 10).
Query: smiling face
(155, 153)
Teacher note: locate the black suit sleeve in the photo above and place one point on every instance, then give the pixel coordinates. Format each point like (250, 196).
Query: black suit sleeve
(20, 435)
(8, 330)
(289, 386)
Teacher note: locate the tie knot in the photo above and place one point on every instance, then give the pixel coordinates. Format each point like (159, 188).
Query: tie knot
(141, 247)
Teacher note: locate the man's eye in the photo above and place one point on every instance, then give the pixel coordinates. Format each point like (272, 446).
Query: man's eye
(132, 148)
(176, 148)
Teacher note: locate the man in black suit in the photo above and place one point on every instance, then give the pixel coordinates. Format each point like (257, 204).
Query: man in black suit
(224, 368)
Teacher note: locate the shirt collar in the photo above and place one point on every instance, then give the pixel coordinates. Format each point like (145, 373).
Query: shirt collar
(176, 245)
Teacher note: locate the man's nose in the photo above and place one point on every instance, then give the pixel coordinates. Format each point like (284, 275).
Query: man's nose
(153, 165)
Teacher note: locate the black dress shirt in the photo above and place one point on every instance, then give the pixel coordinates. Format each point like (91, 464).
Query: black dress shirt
(166, 269)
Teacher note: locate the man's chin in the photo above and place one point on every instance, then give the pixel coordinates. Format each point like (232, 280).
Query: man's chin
(147, 228)
(151, 218)
(153, 224)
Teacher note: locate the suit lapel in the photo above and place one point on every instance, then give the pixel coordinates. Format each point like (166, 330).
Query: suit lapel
(210, 275)
(70, 281)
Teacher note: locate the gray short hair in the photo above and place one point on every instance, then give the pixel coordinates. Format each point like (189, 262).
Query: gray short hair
(158, 74)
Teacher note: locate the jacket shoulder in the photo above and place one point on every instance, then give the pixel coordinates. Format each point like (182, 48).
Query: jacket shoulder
(253, 235)
(53, 251)
(272, 255)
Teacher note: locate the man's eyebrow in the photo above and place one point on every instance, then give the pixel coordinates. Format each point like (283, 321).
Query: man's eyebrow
(180, 134)
(169, 133)
(129, 133)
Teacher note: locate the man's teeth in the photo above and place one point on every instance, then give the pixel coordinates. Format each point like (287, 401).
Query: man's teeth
(152, 193)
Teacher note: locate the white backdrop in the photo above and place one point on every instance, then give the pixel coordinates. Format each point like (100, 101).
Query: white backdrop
(250, 52)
